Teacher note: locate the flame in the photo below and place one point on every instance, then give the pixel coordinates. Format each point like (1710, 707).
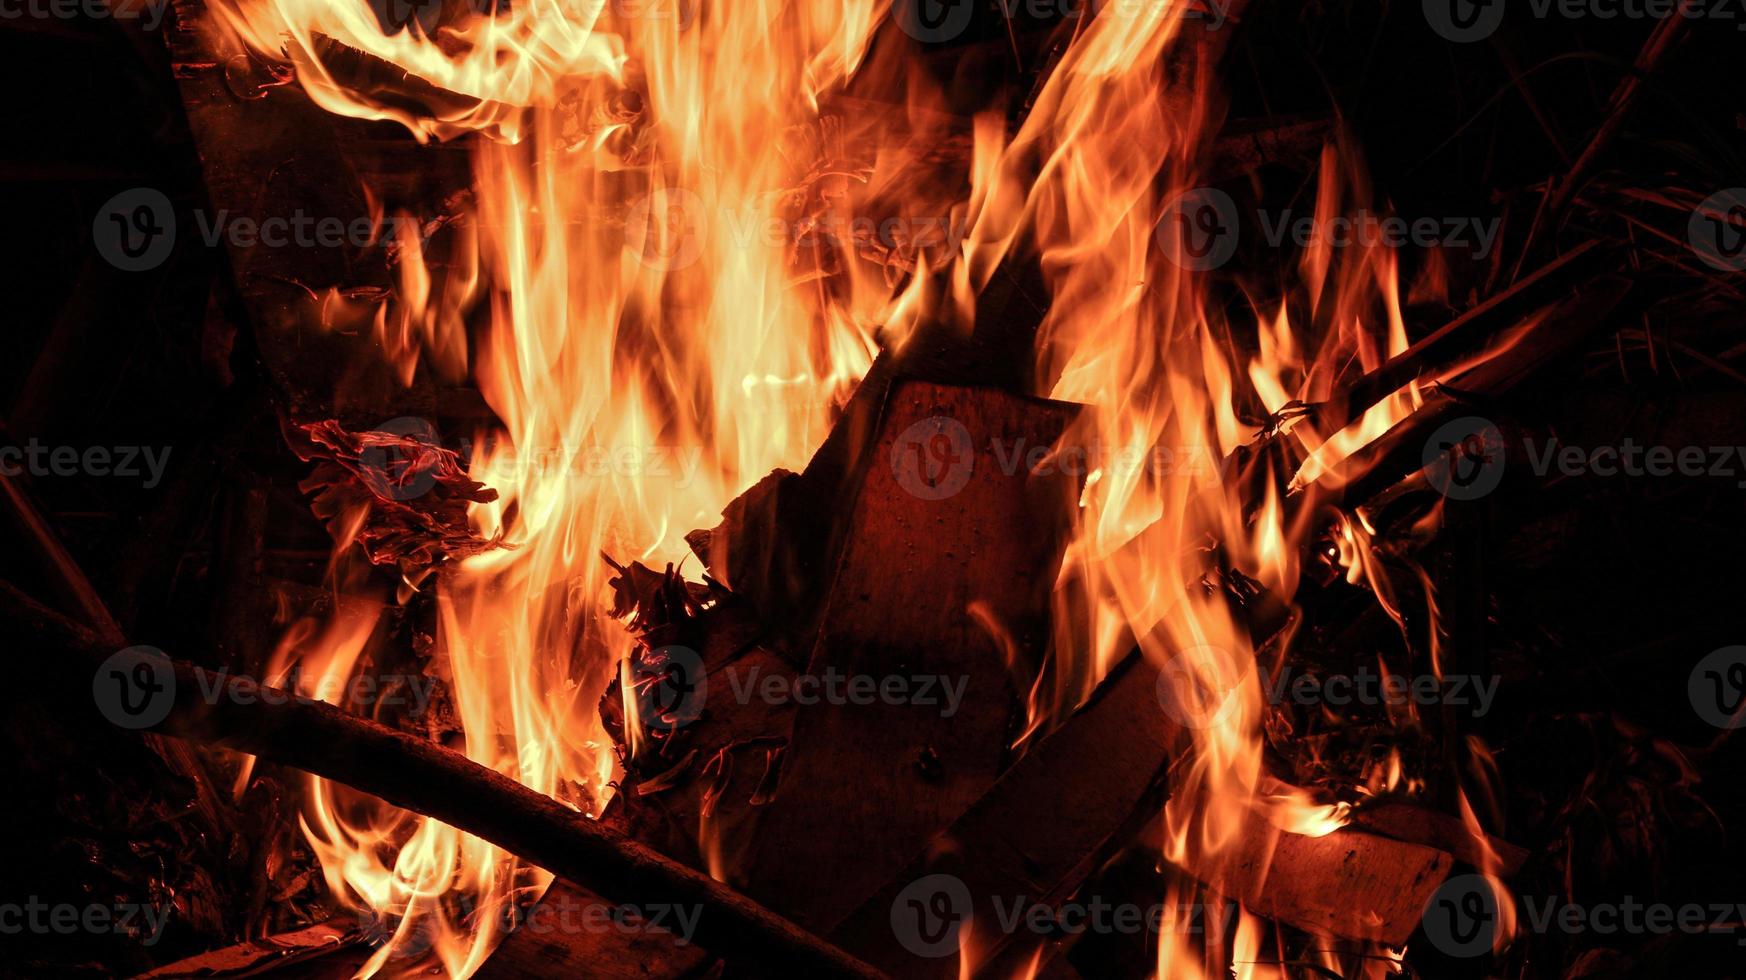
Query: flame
(715, 333)
(643, 378)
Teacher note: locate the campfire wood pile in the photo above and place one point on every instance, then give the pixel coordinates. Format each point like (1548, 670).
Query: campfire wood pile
(994, 826)
(798, 828)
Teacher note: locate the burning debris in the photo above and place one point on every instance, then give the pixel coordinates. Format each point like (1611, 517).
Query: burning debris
(400, 496)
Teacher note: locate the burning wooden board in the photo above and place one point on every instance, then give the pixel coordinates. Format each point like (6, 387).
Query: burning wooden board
(1035, 836)
(943, 520)
(1345, 883)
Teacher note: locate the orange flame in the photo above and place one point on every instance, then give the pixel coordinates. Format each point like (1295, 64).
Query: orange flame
(703, 337)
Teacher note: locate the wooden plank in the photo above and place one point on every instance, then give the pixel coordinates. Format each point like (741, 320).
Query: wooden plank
(268, 151)
(1346, 883)
(1036, 834)
(939, 524)
(1417, 825)
(273, 955)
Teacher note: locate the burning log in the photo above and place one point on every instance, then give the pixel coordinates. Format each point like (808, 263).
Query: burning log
(243, 715)
(1102, 767)
(691, 783)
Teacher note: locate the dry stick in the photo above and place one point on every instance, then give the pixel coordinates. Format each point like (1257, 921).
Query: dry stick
(237, 713)
(1563, 189)
(1659, 43)
(68, 578)
(1381, 461)
(1463, 335)
(70, 582)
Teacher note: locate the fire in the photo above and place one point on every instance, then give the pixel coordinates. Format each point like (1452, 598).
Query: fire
(681, 341)
(705, 330)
